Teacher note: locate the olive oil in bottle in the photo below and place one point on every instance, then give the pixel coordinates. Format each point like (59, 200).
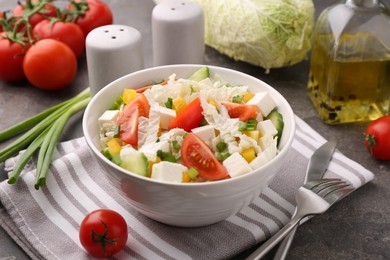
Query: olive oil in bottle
(350, 64)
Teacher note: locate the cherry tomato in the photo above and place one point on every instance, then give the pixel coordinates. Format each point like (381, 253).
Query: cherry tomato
(48, 10)
(11, 59)
(128, 120)
(97, 14)
(377, 138)
(103, 233)
(189, 118)
(1, 27)
(196, 153)
(240, 111)
(50, 64)
(66, 32)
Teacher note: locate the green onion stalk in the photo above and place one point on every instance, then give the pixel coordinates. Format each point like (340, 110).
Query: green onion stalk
(42, 132)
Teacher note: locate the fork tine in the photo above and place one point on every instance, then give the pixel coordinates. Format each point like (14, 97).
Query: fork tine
(331, 190)
(338, 194)
(321, 183)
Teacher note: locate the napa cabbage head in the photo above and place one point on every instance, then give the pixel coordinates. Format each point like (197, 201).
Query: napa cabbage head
(266, 33)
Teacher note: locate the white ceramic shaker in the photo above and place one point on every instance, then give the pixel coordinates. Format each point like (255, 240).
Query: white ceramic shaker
(178, 33)
(112, 51)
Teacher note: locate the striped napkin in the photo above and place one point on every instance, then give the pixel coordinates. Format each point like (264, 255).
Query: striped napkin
(45, 223)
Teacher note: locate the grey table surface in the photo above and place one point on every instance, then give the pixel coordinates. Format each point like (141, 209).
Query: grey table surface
(356, 228)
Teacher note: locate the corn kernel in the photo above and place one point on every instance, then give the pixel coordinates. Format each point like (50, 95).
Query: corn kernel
(254, 134)
(178, 104)
(247, 97)
(128, 95)
(249, 154)
(114, 147)
(186, 177)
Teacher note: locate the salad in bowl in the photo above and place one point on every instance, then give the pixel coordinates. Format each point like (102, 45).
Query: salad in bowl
(196, 129)
(189, 145)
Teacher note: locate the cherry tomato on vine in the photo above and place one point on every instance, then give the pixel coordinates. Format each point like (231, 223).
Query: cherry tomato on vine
(11, 59)
(48, 10)
(66, 32)
(50, 64)
(377, 138)
(103, 233)
(196, 153)
(97, 14)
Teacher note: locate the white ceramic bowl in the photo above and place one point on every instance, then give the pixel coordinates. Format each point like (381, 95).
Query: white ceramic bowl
(185, 204)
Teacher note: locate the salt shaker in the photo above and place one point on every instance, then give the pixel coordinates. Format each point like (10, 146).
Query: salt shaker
(112, 51)
(178, 33)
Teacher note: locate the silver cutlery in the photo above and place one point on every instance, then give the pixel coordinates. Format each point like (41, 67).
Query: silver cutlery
(316, 168)
(313, 198)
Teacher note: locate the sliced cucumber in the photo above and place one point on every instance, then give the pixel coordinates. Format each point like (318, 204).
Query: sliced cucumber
(136, 162)
(200, 74)
(277, 119)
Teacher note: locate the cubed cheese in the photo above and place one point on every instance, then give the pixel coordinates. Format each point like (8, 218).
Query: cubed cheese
(266, 127)
(166, 116)
(264, 102)
(150, 149)
(236, 165)
(206, 133)
(168, 171)
(109, 116)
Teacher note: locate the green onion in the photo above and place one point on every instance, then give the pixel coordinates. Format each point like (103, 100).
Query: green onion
(237, 99)
(166, 156)
(44, 132)
(193, 173)
(168, 104)
(176, 145)
(50, 141)
(249, 125)
(222, 156)
(117, 131)
(221, 146)
(117, 103)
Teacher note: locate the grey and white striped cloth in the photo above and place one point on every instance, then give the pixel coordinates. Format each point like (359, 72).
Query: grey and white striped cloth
(45, 223)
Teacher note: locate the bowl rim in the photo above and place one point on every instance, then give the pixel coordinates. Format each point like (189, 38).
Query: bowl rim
(98, 153)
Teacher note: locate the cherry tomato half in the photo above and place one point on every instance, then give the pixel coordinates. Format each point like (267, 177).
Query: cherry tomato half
(128, 120)
(66, 32)
(50, 64)
(240, 111)
(103, 233)
(195, 153)
(377, 138)
(11, 59)
(189, 118)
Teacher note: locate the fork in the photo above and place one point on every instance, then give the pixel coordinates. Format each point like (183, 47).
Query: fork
(313, 198)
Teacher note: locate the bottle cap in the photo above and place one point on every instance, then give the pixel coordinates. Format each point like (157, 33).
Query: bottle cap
(112, 51)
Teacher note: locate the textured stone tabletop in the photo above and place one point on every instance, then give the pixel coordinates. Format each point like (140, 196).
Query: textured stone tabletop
(356, 228)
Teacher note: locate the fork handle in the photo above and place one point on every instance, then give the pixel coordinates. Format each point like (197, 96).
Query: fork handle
(274, 240)
(284, 246)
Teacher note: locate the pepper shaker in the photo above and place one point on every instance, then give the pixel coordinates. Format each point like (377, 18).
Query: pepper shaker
(112, 51)
(178, 33)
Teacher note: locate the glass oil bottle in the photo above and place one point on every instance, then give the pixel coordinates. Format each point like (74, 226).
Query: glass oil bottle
(350, 63)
